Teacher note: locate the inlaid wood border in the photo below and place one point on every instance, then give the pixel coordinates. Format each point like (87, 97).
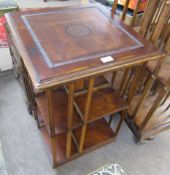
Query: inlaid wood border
(47, 60)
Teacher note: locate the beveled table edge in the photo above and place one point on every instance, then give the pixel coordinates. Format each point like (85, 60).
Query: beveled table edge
(56, 81)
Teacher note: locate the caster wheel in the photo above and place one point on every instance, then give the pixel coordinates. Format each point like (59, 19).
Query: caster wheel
(150, 139)
(142, 142)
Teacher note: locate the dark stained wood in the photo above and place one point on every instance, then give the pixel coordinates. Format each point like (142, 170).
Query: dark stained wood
(164, 70)
(160, 117)
(125, 10)
(83, 84)
(61, 50)
(86, 112)
(70, 119)
(148, 16)
(150, 114)
(97, 133)
(57, 55)
(60, 102)
(104, 102)
(60, 142)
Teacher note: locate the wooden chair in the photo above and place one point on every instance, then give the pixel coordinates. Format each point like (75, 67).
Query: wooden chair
(159, 34)
(125, 11)
(154, 27)
(148, 114)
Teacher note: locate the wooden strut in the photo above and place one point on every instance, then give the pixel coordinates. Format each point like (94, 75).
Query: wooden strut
(51, 123)
(152, 110)
(69, 120)
(113, 78)
(166, 97)
(135, 13)
(125, 9)
(124, 81)
(148, 15)
(147, 88)
(114, 6)
(160, 24)
(135, 83)
(86, 113)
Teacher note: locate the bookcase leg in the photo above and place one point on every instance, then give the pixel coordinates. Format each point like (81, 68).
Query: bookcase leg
(123, 116)
(69, 120)
(86, 113)
(54, 151)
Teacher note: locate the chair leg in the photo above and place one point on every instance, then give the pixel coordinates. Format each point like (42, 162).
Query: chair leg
(110, 119)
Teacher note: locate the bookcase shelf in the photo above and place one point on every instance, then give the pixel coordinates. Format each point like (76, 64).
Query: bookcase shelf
(104, 102)
(98, 133)
(60, 108)
(60, 142)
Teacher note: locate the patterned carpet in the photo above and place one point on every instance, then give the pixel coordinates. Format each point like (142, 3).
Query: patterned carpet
(109, 169)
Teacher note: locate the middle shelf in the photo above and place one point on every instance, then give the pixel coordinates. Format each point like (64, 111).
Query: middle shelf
(104, 102)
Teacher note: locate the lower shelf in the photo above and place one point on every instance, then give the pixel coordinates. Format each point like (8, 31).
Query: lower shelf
(97, 133)
(60, 141)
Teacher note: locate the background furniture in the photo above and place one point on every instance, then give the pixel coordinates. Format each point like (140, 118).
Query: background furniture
(154, 27)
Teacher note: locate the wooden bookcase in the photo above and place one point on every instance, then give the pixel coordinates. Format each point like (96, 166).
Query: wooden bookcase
(98, 130)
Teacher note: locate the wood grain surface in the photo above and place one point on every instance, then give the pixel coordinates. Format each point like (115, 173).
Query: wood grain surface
(59, 45)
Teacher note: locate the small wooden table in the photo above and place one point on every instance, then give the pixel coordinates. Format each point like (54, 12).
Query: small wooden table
(63, 47)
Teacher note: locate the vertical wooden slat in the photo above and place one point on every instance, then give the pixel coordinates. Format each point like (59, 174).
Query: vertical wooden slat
(34, 108)
(125, 9)
(148, 15)
(51, 123)
(153, 108)
(28, 92)
(161, 22)
(110, 119)
(114, 6)
(69, 119)
(54, 150)
(113, 78)
(165, 34)
(167, 107)
(144, 95)
(158, 66)
(129, 77)
(167, 46)
(86, 112)
(135, 13)
(123, 115)
(124, 81)
(166, 97)
(135, 82)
